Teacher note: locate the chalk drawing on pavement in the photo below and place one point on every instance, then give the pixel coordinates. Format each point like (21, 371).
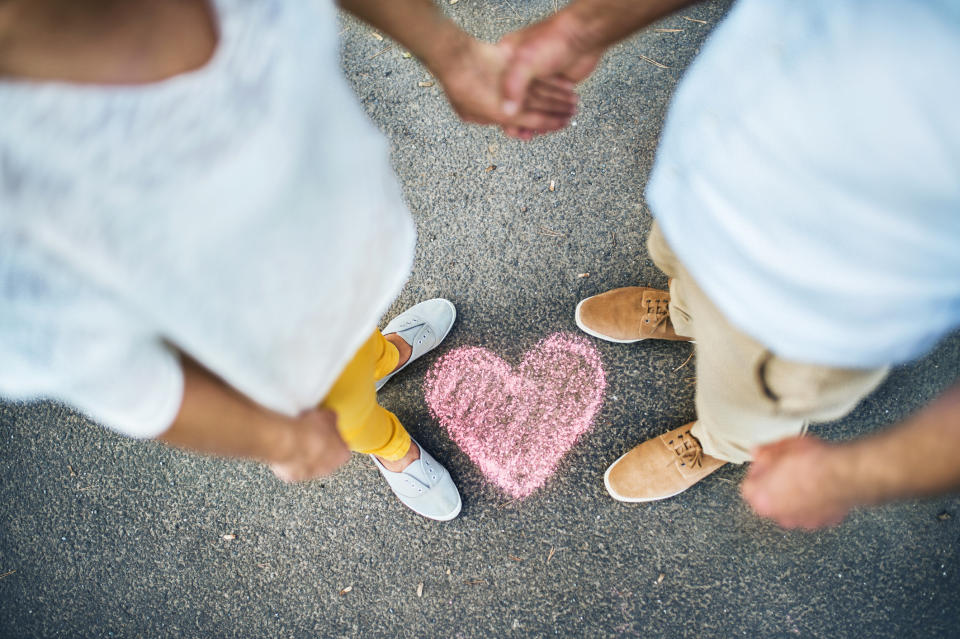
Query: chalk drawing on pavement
(517, 423)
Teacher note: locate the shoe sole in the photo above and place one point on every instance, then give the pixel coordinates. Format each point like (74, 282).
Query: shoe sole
(381, 383)
(607, 338)
(633, 500)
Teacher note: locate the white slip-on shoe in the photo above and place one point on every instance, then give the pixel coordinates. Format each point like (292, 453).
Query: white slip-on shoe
(425, 487)
(423, 327)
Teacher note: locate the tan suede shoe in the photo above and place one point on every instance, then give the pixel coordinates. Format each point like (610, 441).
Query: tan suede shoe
(629, 314)
(660, 467)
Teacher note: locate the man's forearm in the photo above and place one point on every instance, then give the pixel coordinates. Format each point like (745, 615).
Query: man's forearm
(807, 483)
(597, 24)
(917, 458)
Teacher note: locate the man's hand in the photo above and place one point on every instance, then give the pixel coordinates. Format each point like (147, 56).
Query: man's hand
(569, 44)
(804, 482)
(317, 448)
(471, 77)
(797, 482)
(549, 49)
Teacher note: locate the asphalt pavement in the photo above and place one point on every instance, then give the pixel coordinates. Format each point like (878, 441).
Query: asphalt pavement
(102, 536)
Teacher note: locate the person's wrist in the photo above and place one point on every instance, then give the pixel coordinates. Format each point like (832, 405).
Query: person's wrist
(447, 51)
(586, 29)
(842, 480)
(279, 439)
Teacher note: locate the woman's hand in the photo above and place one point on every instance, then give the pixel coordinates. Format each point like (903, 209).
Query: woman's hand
(215, 419)
(315, 448)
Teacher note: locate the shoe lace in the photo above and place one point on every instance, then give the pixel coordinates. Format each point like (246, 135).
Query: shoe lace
(659, 308)
(687, 449)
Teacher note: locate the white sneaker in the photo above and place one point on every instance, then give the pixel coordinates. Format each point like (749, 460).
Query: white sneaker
(423, 327)
(425, 487)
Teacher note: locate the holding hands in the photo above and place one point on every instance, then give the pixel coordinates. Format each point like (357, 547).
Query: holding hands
(524, 83)
(549, 51)
(472, 78)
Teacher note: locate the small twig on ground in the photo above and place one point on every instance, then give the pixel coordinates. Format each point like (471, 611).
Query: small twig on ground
(7, 574)
(547, 231)
(667, 30)
(684, 362)
(695, 20)
(382, 51)
(514, 9)
(550, 556)
(653, 62)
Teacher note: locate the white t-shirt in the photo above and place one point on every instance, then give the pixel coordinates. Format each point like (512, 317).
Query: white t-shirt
(809, 176)
(245, 213)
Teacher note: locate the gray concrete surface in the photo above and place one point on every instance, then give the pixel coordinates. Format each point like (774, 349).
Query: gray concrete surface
(106, 537)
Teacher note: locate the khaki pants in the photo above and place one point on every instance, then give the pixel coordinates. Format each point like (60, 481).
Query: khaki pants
(746, 395)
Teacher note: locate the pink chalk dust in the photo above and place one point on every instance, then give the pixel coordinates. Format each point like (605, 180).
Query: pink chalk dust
(517, 423)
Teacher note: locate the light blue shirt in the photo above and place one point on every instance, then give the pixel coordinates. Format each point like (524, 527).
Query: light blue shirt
(809, 176)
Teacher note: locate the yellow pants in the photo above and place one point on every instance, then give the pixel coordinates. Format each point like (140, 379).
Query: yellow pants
(365, 425)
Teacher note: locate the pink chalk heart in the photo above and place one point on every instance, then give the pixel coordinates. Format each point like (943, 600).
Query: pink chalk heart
(517, 423)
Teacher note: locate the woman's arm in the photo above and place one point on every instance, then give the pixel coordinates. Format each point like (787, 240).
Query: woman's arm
(216, 420)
